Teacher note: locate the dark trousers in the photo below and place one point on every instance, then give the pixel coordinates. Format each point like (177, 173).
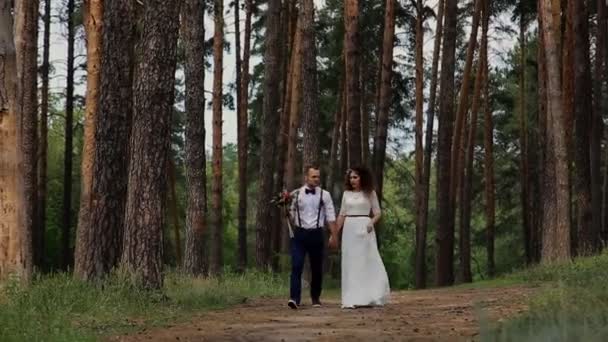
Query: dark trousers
(311, 242)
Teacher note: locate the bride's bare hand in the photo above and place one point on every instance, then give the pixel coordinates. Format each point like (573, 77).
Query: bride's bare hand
(370, 227)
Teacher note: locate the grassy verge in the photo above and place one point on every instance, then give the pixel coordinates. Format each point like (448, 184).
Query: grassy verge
(59, 308)
(574, 307)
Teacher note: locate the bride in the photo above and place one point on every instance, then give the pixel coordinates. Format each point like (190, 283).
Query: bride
(364, 278)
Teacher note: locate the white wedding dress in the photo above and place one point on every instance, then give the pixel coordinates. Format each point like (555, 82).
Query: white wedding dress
(364, 278)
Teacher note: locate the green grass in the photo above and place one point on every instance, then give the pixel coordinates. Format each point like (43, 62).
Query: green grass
(59, 308)
(510, 280)
(573, 307)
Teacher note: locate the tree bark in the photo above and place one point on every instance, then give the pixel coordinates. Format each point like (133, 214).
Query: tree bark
(17, 146)
(567, 83)
(150, 139)
(295, 107)
(445, 231)
(216, 263)
(420, 196)
(242, 167)
(335, 141)
(278, 219)
(365, 117)
(38, 233)
(385, 95)
(465, 232)
(66, 250)
(426, 172)
(94, 30)
(542, 141)
(523, 143)
(271, 121)
(457, 164)
(489, 187)
(26, 38)
(597, 127)
(193, 34)
(588, 234)
(243, 144)
(310, 97)
(344, 136)
(556, 238)
(173, 209)
(99, 237)
(351, 24)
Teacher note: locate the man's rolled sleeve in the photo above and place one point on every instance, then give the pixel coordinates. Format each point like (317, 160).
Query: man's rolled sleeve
(330, 211)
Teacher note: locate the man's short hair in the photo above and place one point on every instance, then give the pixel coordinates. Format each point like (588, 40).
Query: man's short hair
(311, 166)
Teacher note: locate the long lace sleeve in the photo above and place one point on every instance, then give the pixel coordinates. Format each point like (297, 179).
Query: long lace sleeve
(375, 204)
(342, 206)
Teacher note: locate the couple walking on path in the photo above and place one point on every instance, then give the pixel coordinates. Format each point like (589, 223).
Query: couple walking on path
(364, 278)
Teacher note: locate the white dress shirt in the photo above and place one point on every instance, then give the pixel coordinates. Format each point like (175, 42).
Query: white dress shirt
(308, 206)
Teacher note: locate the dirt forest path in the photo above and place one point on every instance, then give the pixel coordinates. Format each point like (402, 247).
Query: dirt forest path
(428, 315)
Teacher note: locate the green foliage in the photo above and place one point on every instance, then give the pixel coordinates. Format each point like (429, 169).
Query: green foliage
(59, 308)
(572, 308)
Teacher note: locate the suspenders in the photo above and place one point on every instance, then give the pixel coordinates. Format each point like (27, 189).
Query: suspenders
(321, 204)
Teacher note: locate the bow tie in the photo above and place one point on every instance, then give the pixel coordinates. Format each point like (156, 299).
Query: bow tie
(309, 191)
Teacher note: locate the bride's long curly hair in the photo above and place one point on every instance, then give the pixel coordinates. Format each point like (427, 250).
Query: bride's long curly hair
(365, 177)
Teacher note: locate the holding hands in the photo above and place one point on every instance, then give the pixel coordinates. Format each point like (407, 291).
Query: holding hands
(370, 226)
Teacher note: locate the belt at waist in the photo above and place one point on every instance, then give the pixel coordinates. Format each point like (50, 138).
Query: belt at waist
(357, 215)
(313, 228)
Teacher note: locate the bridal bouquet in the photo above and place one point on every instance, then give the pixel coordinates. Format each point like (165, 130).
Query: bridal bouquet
(283, 200)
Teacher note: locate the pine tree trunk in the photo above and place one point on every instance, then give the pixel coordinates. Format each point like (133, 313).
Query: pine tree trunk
(99, 237)
(174, 211)
(556, 237)
(294, 111)
(465, 232)
(94, 30)
(293, 107)
(38, 234)
(193, 34)
(242, 211)
(26, 38)
(278, 218)
(457, 163)
(310, 97)
(489, 187)
(17, 110)
(419, 177)
(66, 252)
(216, 261)
(421, 269)
(351, 22)
(588, 234)
(445, 231)
(542, 140)
(567, 83)
(335, 141)
(344, 136)
(149, 150)
(243, 144)
(597, 126)
(271, 121)
(523, 144)
(385, 95)
(365, 117)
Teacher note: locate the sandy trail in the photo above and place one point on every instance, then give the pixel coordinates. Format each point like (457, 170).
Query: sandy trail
(428, 315)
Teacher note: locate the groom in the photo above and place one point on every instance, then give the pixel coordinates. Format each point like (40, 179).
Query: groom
(311, 208)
